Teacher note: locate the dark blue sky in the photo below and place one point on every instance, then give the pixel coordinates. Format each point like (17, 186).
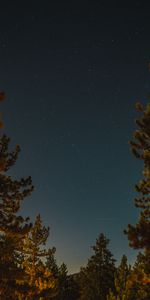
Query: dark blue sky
(72, 73)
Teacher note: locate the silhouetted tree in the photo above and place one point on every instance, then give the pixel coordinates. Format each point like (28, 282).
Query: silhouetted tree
(67, 287)
(98, 276)
(51, 264)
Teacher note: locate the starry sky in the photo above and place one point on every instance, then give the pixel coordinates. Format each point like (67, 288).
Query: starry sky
(72, 72)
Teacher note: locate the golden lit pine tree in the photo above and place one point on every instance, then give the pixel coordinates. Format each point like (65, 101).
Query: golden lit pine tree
(41, 282)
(12, 226)
(139, 280)
(23, 274)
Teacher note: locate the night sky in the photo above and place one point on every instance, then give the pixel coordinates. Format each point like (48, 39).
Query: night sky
(72, 72)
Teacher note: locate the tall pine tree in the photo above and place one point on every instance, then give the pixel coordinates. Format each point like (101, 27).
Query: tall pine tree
(98, 276)
(40, 282)
(13, 227)
(139, 234)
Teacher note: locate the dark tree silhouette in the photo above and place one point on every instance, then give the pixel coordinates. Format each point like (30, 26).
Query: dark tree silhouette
(98, 276)
(67, 287)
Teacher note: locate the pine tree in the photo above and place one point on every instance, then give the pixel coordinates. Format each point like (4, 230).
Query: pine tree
(41, 282)
(139, 234)
(139, 281)
(98, 276)
(12, 226)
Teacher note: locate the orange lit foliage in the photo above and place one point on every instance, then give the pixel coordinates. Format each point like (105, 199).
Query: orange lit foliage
(41, 282)
(138, 284)
(132, 283)
(13, 227)
(23, 275)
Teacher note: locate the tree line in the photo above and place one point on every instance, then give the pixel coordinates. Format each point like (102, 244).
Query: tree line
(29, 270)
